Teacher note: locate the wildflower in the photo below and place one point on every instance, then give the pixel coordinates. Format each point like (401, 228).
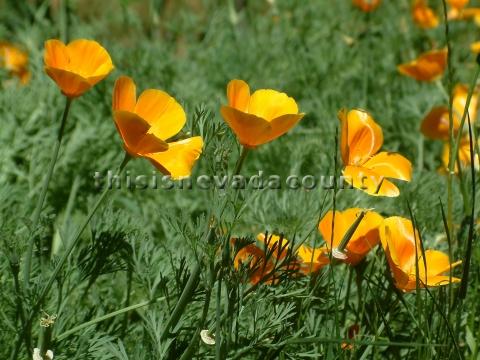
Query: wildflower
(423, 15)
(458, 4)
(364, 238)
(147, 124)
(401, 243)
(367, 5)
(78, 66)
(15, 61)
(365, 169)
(464, 156)
(259, 268)
(475, 47)
(261, 117)
(428, 66)
(436, 124)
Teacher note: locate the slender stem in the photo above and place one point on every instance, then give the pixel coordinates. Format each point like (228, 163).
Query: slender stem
(67, 333)
(241, 160)
(43, 192)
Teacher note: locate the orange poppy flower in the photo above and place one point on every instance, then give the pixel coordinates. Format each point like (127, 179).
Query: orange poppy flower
(458, 4)
(436, 124)
(78, 66)
(147, 123)
(398, 240)
(423, 15)
(254, 258)
(14, 61)
(366, 168)
(475, 47)
(261, 117)
(367, 5)
(308, 259)
(427, 67)
(364, 238)
(464, 155)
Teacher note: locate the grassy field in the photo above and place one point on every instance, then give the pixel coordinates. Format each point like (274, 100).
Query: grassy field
(154, 274)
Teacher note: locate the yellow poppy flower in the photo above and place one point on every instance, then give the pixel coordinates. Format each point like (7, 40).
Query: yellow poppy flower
(78, 66)
(261, 117)
(147, 123)
(464, 155)
(366, 168)
(436, 124)
(14, 61)
(398, 240)
(423, 15)
(428, 66)
(367, 5)
(364, 238)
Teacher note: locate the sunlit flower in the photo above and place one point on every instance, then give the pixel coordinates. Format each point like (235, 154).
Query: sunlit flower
(78, 66)
(423, 15)
(464, 155)
(404, 254)
(261, 117)
(15, 61)
(475, 47)
(436, 124)
(428, 66)
(366, 168)
(458, 4)
(367, 5)
(147, 125)
(364, 238)
(471, 13)
(255, 260)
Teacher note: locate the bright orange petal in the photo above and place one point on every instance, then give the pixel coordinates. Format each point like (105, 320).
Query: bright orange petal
(458, 4)
(281, 125)
(71, 85)
(270, 104)
(427, 67)
(89, 59)
(361, 136)
(312, 260)
(56, 55)
(180, 157)
(249, 128)
(436, 124)
(367, 5)
(369, 181)
(277, 244)
(124, 94)
(336, 222)
(423, 15)
(238, 94)
(390, 165)
(164, 114)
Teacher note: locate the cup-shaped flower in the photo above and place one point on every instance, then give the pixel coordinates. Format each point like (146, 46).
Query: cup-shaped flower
(78, 66)
(367, 5)
(366, 168)
(147, 124)
(401, 243)
(428, 66)
(464, 157)
(363, 239)
(261, 117)
(436, 124)
(423, 15)
(15, 61)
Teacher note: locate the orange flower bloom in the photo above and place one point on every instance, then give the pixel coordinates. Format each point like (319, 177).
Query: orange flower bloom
(465, 14)
(475, 47)
(367, 5)
(254, 257)
(261, 117)
(404, 256)
(15, 61)
(458, 4)
(147, 124)
(365, 168)
(76, 67)
(423, 15)
(364, 238)
(427, 67)
(436, 124)
(464, 155)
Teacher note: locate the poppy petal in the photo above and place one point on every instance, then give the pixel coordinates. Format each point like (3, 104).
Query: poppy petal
(436, 124)
(270, 104)
(238, 94)
(390, 165)
(56, 55)
(179, 159)
(71, 85)
(369, 181)
(124, 94)
(281, 125)
(162, 112)
(427, 67)
(89, 59)
(248, 128)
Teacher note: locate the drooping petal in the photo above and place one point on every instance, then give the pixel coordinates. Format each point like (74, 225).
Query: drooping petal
(369, 181)
(89, 59)
(238, 94)
(179, 159)
(270, 104)
(361, 136)
(133, 130)
(164, 114)
(71, 85)
(427, 67)
(390, 165)
(249, 128)
(124, 94)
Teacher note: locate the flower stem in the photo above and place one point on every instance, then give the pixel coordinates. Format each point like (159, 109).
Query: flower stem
(241, 160)
(43, 192)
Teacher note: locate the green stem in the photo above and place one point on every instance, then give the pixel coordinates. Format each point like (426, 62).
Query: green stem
(43, 193)
(66, 334)
(241, 160)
